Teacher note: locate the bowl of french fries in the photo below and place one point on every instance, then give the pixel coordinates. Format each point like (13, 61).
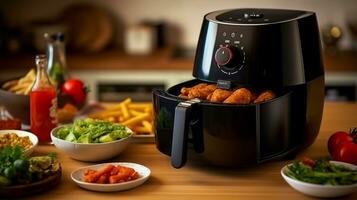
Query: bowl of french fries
(14, 95)
(138, 116)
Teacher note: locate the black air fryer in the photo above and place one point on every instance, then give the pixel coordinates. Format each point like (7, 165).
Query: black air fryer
(256, 48)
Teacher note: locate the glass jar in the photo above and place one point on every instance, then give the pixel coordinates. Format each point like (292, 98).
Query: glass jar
(43, 102)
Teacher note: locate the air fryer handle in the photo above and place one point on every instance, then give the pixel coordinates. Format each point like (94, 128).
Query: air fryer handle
(180, 134)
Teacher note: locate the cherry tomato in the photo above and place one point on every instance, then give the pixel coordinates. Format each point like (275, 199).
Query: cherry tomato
(76, 89)
(308, 161)
(342, 146)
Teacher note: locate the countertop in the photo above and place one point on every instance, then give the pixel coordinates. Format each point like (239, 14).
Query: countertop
(198, 181)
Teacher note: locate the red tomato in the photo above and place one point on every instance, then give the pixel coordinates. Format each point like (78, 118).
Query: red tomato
(348, 153)
(76, 89)
(342, 146)
(335, 141)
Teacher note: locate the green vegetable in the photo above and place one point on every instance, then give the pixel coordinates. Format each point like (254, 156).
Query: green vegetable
(92, 131)
(21, 164)
(84, 139)
(323, 172)
(118, 134)
(13, 165)
(16, 168)
(71, 137)
(10, 172)
(63, 132)
(42, 166)
(106, 138)
(4, 181)
(52, 155)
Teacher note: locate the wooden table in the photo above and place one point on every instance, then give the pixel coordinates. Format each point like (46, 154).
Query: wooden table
(204, 182)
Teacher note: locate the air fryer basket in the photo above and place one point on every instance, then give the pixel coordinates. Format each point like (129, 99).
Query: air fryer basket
(226, 134)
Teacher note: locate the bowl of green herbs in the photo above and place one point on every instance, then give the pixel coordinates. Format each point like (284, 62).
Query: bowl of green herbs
(321, 177)
(91, 140)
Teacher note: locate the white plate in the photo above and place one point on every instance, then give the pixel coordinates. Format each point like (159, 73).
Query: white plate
(321, 190)
(33, 138)
(144, 173)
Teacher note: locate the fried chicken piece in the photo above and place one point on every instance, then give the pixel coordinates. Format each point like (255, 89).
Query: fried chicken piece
(219, 95)
(265, 96)
(209, 96)
(185, 91)
(240, 96)
(201, 91)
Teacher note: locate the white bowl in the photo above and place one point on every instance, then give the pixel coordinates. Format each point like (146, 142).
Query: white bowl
(33, 138)
(317, 190)
(144, 173)
(90, 152)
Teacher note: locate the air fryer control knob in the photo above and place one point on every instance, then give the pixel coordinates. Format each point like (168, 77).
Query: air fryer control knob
(229, 57)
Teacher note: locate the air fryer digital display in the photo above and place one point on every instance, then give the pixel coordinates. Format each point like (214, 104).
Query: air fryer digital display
(258, 16)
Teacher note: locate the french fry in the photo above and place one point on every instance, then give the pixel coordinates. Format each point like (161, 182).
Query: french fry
(117, 107)
(9, 84)
(18, 87)
(29, 77)
(106, 114)
(139, 106)
(136, 119)
(21, 91)
(22, 85)
(147, 125)
(149, 109)
(125, 111)
(136, 113)
(120, 118)
(28, 89)
(141, 130)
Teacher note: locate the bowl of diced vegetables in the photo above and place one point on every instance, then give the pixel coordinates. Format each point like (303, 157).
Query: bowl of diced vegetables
(321, 178)
(91, 140)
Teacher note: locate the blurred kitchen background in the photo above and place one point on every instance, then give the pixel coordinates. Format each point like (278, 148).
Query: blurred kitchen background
(124, 48)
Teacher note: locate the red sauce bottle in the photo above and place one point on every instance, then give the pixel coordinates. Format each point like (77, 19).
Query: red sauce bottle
(43, 102)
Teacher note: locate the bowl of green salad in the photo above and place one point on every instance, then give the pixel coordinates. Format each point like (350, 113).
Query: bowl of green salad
(321, 177)
(91, 140)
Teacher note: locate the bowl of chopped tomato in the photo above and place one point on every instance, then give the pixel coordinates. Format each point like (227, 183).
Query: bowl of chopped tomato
(110, 177)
